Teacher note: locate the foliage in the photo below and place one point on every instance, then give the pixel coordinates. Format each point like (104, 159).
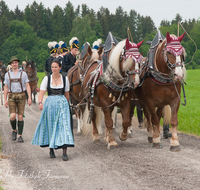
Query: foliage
(24, 31)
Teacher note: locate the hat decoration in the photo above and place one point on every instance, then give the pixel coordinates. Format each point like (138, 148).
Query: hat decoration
(174, 44)
(13, 58)
(63, 47)
(52, 46)
(96, 44)
(74, 43)
(132, 51)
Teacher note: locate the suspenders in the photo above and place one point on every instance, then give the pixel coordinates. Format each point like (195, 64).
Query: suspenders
(15, 80)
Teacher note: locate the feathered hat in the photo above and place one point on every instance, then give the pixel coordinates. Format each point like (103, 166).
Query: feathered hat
(96, 44)
(52, 46)
(63, 47)
(74, 43)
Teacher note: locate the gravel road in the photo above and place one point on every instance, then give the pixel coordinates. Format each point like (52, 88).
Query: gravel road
(133, 165)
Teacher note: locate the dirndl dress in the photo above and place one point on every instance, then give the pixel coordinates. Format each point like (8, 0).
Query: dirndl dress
(55, 127)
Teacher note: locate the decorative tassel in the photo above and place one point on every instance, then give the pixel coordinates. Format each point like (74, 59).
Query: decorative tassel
(119, 101)
(110, 95)
(122, 98)
(126, 95)
(113, 99)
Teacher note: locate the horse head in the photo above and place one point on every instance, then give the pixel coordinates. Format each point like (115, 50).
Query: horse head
(91, 56)
(174, 55)
(3, 71)
(131, 62)
(30, 68)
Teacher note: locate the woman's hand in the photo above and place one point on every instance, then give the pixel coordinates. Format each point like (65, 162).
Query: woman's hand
(40, 106)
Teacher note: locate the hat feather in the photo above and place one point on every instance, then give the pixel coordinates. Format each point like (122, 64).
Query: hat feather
(54, 44)
(50, 45)
(72, 40)
(100, 41)
(61, 43)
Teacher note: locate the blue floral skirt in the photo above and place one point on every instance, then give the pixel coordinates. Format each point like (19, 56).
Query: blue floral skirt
(54, 129)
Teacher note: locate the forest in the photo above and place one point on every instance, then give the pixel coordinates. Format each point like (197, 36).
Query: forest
(26, 33)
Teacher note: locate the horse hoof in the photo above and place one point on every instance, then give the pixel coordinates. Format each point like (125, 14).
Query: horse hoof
(157, 145)
(175, 148)
(123, 138)
(111, 145)
(150, 139)
(78, 132)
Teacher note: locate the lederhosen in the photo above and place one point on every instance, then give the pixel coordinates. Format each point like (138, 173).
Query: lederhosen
(16, 100)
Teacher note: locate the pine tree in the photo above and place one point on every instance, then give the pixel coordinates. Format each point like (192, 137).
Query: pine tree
(19, 15)
(57, 23)
(69, 16)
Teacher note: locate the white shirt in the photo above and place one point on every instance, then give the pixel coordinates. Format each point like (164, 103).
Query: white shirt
(43, 85)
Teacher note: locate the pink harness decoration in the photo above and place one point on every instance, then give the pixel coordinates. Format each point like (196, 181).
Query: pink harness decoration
(174, 44)
(132, 51)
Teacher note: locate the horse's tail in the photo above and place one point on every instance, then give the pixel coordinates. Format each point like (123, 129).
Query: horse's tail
(88, 128)
(166, 115)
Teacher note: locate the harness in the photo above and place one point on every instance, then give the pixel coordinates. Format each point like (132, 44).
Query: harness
(15, 80)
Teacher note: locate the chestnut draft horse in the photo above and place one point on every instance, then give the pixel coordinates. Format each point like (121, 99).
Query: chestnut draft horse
(75, 76)
(162, 87)
(33, 79)
(113, 88)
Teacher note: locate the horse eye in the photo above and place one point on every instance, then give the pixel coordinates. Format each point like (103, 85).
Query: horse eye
(169, 53)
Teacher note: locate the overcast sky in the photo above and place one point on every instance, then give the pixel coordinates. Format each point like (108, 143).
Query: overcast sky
(157, 9)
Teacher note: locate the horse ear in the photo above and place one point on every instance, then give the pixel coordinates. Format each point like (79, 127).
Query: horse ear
(89, 50)
(181, 37)
(168, 37)
(139, 44)
(127, 44)
(100, 50)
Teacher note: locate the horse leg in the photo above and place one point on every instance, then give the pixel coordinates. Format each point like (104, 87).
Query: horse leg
(174, 143)
(149, 126)
(156, 122)
(34, 93)
(78, 116)
(108, 131)
(96, 121)
(130, 132)
(114, 117)
(125, 111)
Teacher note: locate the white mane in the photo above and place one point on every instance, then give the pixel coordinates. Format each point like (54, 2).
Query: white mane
(115, 55)
(95, 55)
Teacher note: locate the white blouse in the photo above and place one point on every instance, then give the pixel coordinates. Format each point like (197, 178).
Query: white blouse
(43, 85)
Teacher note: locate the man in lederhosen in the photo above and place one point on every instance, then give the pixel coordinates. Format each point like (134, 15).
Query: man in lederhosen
(16, 82)
(69, 60)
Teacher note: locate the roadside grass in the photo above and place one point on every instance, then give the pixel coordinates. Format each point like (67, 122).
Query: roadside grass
(188, 116)
(40, 76)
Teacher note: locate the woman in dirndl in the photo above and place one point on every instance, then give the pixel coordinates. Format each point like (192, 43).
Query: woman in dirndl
(54, 129)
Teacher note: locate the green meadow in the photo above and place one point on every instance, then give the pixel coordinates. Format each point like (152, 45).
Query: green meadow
(188, 116)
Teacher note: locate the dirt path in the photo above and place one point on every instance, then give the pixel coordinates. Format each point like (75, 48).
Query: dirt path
(134, 164)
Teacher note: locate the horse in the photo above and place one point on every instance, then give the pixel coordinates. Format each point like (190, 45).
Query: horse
(32, 76)
(112, 88)
(3, 71)
(75, 75)
(161, 88)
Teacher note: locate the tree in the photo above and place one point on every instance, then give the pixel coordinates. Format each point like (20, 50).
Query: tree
(57, 23)
(4, 24)
(85, 10)
(82, 29)
(69, 16)
(19, 15)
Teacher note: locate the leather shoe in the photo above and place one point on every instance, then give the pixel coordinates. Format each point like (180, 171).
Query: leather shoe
(166, 135)
(65, 157)
(52, 154)
(14, 135)
(20, 139)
